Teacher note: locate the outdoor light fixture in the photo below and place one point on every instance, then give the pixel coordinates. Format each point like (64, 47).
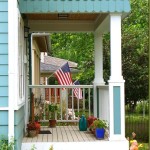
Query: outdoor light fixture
(26, 31)
(63, 16)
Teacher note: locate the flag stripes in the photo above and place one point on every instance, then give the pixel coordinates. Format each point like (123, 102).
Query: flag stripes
(77, 91)
(63, 75)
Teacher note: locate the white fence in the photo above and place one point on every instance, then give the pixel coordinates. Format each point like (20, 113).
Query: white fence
(70, 107)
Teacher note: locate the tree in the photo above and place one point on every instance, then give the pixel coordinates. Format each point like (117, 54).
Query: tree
(79, 47)
(135, 51)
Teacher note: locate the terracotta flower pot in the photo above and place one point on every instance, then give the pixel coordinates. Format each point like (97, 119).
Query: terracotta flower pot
(52, 123)
(32, 133)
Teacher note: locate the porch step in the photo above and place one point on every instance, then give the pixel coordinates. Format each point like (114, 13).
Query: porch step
(99, 145)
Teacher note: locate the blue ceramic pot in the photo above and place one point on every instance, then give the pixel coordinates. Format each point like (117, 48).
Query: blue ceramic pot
(100, 132)
(82, 124)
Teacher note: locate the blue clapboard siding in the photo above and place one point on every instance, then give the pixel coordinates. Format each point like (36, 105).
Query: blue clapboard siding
(19, 127)
(3, 81)
(19, 115)
(4, 115)
(3, 101)
(4, 38)
(3, 91)
(3, 48)
(3, 59)
(18, 143)
(4, 67)
(3, 131)
(3, 6)
(3, 16)
(117, 110)
(3, 27)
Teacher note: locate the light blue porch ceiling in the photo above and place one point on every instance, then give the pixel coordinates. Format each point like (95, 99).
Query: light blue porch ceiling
(74, 6)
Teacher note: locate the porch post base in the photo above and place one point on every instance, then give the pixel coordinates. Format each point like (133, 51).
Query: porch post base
(117, 138)
(95, 84)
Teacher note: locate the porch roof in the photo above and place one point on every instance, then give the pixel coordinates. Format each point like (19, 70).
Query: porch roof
(74, 6)
(49, 68)
(58, 61)
(51, 64)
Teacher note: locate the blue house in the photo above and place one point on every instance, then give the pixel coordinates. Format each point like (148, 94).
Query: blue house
(16, 68)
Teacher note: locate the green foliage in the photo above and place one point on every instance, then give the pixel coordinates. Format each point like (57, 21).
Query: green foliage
(52, 109)
(98, 123)
(144, 146)
(81, 112)
(79, 47)
(135, 51)
(142, 107)
(33, 147)
(4, 145)
(139, 125)
(51, 148)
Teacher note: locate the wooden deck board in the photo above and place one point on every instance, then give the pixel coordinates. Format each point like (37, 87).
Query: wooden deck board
(60, 137)
(70, 138)
(65, 138)
(63, 134)
(74, 135)
(54, 134)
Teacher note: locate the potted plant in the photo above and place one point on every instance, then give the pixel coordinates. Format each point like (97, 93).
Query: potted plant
(52, 111)
(90, 120)
(100, 126)
(31, 129)
(92, 128)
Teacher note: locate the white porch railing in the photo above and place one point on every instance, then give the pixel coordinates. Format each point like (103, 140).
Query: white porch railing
(70, 107)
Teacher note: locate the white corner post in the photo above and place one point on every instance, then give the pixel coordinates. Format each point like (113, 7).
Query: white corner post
(116, 82)
(98, 57)
(12, 64)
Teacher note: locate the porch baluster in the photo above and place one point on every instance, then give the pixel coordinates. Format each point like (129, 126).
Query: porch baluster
(89, 100)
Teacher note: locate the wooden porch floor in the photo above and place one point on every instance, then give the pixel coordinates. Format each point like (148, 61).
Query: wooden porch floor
(63, 134)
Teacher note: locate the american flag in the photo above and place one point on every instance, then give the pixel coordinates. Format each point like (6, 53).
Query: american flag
(77, 91)
(63, 75)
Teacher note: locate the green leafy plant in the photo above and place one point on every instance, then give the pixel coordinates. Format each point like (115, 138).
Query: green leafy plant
(5, 145)
(33, 147)
(100, 123)
(52, 109)
(51, 148)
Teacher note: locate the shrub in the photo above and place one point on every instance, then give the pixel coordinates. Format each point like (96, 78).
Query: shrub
(4, 145)
(139, 125)
(141, 106)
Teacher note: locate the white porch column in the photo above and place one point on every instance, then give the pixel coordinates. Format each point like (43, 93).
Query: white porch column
(13, 63)
(115, 47)
(98, 55)
(116, 82)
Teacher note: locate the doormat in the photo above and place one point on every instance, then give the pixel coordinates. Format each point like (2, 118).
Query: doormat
(45, 132)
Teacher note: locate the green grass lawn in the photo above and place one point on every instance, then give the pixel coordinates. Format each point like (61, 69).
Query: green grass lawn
(144, 146)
